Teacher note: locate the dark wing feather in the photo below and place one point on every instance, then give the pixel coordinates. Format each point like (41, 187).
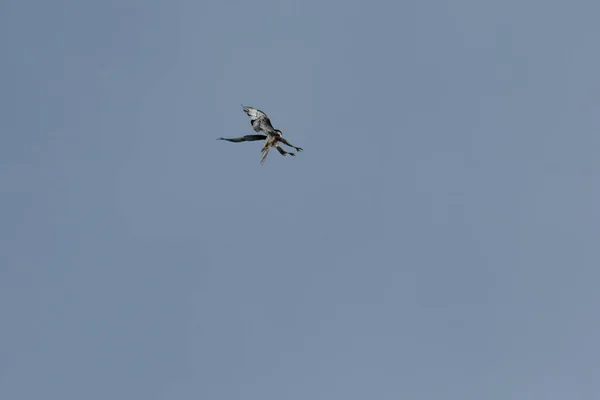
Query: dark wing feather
(247, 138)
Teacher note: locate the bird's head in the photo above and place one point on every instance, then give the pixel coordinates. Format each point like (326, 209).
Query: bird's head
(278, 132)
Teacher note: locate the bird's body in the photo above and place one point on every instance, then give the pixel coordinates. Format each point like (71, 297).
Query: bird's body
(273, 137)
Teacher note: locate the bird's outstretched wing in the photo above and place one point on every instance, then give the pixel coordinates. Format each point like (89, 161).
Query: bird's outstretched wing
(259, 120)
(247, 138)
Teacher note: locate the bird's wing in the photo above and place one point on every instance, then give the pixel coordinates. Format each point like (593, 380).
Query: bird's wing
(258, 120)
(247, 138)
(283, 152)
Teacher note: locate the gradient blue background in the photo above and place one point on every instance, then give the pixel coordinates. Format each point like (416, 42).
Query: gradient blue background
(437, 239)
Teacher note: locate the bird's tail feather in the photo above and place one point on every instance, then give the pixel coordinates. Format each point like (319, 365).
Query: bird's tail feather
(265, 152)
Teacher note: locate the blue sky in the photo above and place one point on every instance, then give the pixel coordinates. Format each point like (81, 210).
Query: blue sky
(438, 237)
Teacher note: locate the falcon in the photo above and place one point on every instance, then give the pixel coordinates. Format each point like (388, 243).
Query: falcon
(273, 137)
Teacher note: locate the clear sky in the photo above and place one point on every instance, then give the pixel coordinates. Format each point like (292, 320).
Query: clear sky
(438, 238)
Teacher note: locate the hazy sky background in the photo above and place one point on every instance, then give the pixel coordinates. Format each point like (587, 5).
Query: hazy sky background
(437, 239)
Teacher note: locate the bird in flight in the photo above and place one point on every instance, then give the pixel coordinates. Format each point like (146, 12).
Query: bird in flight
(272, 137)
